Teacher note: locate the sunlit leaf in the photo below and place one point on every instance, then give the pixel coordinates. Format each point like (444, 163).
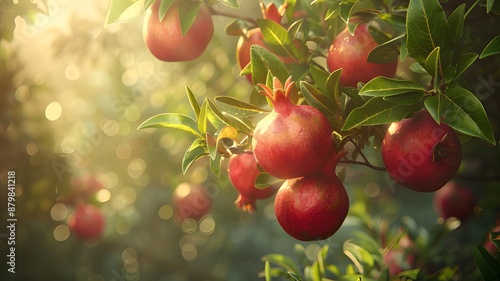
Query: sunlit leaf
(462, 111)
(174, 121)
(163, 8)
(124, 10)
(188, 11)
(493, 48)
(262, 62)
(230, 3)
(236, 107)
(383, 86)
(282, 261)
(197, 150)
(377, 111)
(193, 102)
(277, 38)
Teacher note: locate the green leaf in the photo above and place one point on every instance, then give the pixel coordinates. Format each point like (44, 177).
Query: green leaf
(316, 98)
(230, 3)
(282, 261)
(432, 65)
(487, 264)
(124, 10)
(361, 258)
(294, 276)
(465, 61)
(456, 23)
(193, 102)
(320, 76)
(406, 98)
(210, 115)
(427, 28)
(264, 180)
(174, 121)
(264, 61)
(383, 87)
(333, 85)
(188, 10)
(315, 272)
(236, 107)
(462, 111)
(387, 51)
(277, 38)
(197, 150)
(164, 6)
(267, 271)
(377, 111)
(216, 164)
(493, 48)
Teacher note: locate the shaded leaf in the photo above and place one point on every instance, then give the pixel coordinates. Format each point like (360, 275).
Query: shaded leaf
(493, 48)
(215, 165)
(383, 86)
(465, 61)
(361, 258)
(174, 121)
(387, 51)
(456, 22)
(282, 261)
(316, 98)
(377, 111)
(406, 98)
(487, 264)
(264, 61)
(230, 3)
(432, 65)
(236, 107)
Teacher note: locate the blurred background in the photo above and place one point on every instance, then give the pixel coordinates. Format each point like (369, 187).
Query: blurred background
(73, 92)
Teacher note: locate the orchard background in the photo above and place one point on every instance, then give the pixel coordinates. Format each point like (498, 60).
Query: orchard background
(77, 81)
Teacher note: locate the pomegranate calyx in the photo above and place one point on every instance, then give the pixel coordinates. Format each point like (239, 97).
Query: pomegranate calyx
(443, 149)
(245, 204)
(271, 12)
(279, 95)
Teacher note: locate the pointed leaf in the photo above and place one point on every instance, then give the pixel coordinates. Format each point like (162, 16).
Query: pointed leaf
(333, 86)
(456, 22)
(487, 264)
(197, 150)
(316, 98)
(123, 11)
(164, 6)
(387, 51)
(465, 61)
(230, 3)
(462, 111)
(193, 102)
(262, 62)
(406, 98)
(277, 38)
(493, 48)
(282, 261)
(427, 28)
(377, 111)
(172, 120)
(361, 258)
(188, 11)
(215, 165)
(236, 107)
(432, 65)
(383, 86)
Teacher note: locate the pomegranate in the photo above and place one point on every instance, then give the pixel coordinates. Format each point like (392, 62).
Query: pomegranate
(293, 140)
(87, 222)
(313, 207)
(350, 52)
(454, 200)
(421, 154)
(191, 201)
(165, 39)
(243, 170)
(86, 186)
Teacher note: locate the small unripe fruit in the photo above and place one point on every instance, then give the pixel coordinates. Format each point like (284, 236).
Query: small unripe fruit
(243, 171)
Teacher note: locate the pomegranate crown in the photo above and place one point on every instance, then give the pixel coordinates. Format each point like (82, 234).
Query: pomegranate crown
(278, 92)
(271, 12)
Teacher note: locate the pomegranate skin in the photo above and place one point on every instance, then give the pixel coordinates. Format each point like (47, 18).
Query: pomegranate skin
(165, 40)
(454, 200)
(311, 207)
(350, 52)
(293, 140)
(243, 171)
(191, 201)
(421, 154)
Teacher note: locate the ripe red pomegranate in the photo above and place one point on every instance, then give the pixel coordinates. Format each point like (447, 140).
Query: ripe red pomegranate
(243, 170)
(421, 154)
(191, 201)
(165, 40)
(454, 200)
(87, 222)
(350, 52)
(293, 140)
(313, 207)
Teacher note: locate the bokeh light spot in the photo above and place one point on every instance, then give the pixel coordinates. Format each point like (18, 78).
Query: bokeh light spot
(123, 151)
(23, 94)
(136, 167)
(61, 232)
(132, 113)
(111, 128)
(72, 72)
(53, 111)
(129, 77)
(129, 255)
(103, 195)
(166, 212)
(59, 212)
(189, 225)
(32, 149)
(372, 189)
(207, 226)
